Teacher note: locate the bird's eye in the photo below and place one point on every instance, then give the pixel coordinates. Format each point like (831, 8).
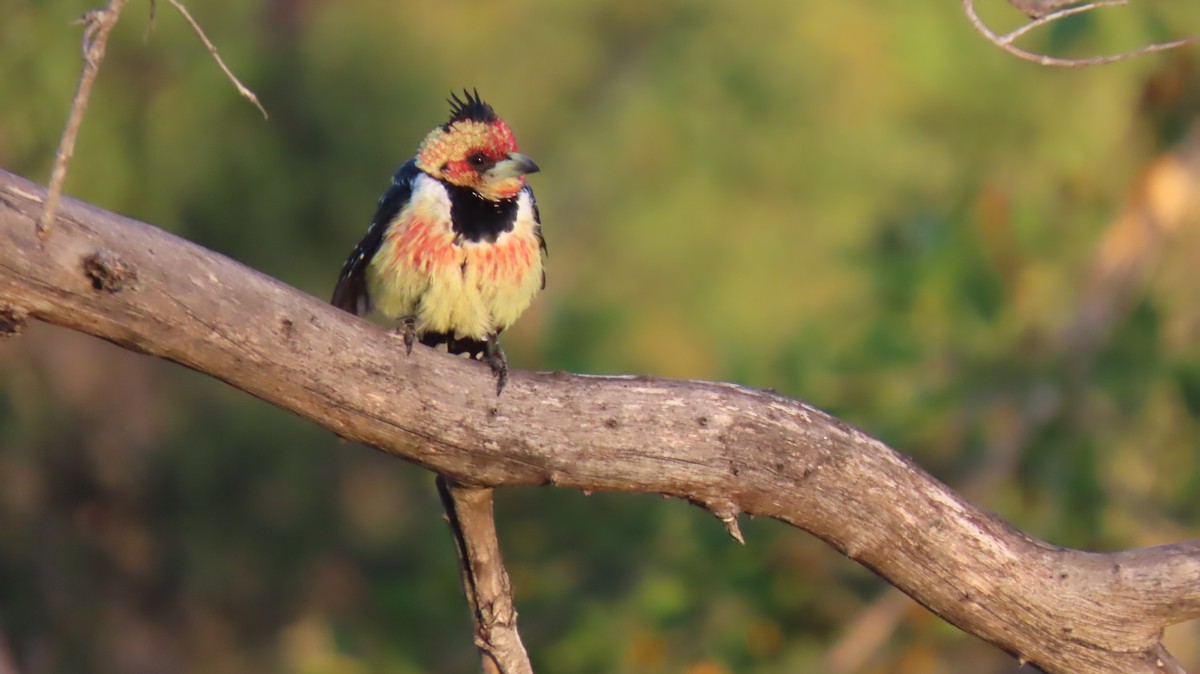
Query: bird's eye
(477, 160)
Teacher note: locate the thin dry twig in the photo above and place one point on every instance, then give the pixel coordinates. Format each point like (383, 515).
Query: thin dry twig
(1036, 9)
(153, 15)
(242, 89)
(1037, 22)
(485, 582)
(98, 23)
(1005, 41)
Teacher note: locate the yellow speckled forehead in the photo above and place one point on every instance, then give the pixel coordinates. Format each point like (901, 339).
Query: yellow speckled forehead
(454, 143)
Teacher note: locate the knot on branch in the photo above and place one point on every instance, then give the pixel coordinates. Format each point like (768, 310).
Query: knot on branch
(107, 271)
(12, 321)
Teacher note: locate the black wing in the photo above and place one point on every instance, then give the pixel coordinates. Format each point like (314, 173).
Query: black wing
(537, 231)
(350, 293)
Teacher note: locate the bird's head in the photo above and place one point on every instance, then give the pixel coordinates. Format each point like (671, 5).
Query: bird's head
(475, 149)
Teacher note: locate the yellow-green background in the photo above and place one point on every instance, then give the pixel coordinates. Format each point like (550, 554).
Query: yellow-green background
(861, 204)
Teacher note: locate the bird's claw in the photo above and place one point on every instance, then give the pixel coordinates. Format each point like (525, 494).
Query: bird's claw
(408, 330)
(495, 358)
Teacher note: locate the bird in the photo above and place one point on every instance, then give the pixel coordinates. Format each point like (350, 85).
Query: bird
(455, 252)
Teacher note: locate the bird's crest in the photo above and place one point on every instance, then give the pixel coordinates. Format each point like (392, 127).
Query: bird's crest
(472, 109)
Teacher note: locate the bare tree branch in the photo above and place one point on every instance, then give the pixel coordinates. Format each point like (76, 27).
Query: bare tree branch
(1161, 202)
(724, 447)
(1036, 9)
(1050, 17)
(98, 23)
(485, 582)
(1043, 12)
(241, 88)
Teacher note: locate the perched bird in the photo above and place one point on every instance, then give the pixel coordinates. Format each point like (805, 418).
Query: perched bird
(455, 251)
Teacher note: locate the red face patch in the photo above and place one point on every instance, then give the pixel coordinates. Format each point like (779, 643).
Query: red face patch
(451, 150)
(462, 154)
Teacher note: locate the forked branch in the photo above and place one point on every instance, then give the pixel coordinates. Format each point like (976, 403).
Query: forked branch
(1044, 12)
(98, 23)
(727, 448)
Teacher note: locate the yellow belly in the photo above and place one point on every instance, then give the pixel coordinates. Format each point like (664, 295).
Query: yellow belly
(470, 290)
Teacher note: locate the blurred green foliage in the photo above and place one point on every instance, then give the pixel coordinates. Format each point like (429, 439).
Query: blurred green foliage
(863, 205)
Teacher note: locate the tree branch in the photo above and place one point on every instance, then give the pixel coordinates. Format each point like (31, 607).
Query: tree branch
(1161, 201)
(1036, 9)
(1043, 12)
(724, 447)
(485, 582)
(98, 23)
(242, 89)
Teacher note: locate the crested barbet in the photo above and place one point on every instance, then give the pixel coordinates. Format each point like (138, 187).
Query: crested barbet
(455, 250)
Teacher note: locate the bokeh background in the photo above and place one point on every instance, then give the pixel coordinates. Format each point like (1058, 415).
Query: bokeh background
(987, 264)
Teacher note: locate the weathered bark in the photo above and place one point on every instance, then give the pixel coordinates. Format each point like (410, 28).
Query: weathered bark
(727, 448)
(484, 578)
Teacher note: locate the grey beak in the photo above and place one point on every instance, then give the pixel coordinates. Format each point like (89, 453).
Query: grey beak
(517, 164)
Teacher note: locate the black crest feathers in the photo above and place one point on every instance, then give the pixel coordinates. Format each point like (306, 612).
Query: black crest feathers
(472, 109)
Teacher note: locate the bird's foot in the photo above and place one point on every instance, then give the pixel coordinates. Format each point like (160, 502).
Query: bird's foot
(408, 330)
(494, 356)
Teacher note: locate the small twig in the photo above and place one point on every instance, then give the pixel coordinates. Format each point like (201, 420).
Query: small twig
(150, 23)
(1036, 9)
(1009, 38)
(98, 23)
(242, 89)
(485, 582)
(1005, 41)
